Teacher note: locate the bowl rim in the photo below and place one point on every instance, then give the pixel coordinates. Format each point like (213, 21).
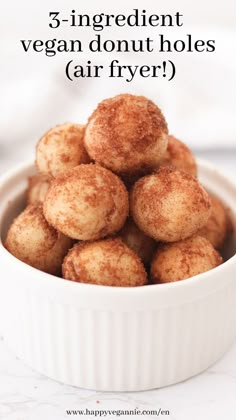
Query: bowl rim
(77, 287)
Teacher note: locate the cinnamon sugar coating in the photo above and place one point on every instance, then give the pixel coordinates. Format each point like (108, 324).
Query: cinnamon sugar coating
(127, 134)
(32, 240)
(179, 156)
(106, 262)
(169, 205)
(73, 199)
(218, 225)
(184, 259)
(88, 202)
(141, 244)
(38, 186)
(61, 148)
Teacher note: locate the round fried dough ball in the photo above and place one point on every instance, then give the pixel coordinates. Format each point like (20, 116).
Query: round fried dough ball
(32, 240)
(38, 186)
(141, 244)
(179, 156)
(170, 205)
(184, 259)
(107, 262)
(127, 134)
(61, 148)
(218, 224)
(87, 203)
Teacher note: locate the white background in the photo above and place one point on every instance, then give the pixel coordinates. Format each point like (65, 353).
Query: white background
(199, 104)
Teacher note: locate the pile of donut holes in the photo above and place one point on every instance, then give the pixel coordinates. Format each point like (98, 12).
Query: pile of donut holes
(117, 202)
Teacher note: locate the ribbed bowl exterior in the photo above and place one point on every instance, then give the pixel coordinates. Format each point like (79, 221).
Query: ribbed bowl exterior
(117, 340)
(119, 351)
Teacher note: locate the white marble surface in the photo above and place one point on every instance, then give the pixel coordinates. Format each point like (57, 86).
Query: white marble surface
(26, 395)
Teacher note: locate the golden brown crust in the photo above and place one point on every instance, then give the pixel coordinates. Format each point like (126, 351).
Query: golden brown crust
(87, 203)
(107, 262)
(61, 148)
(141, 244)
(127, 134)
(32, 240)
(38, 186)
(170, 205)
(184, 259)
(179, 156)
(218, 225)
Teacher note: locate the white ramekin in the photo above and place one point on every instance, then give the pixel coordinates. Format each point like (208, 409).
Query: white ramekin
(116, 339)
